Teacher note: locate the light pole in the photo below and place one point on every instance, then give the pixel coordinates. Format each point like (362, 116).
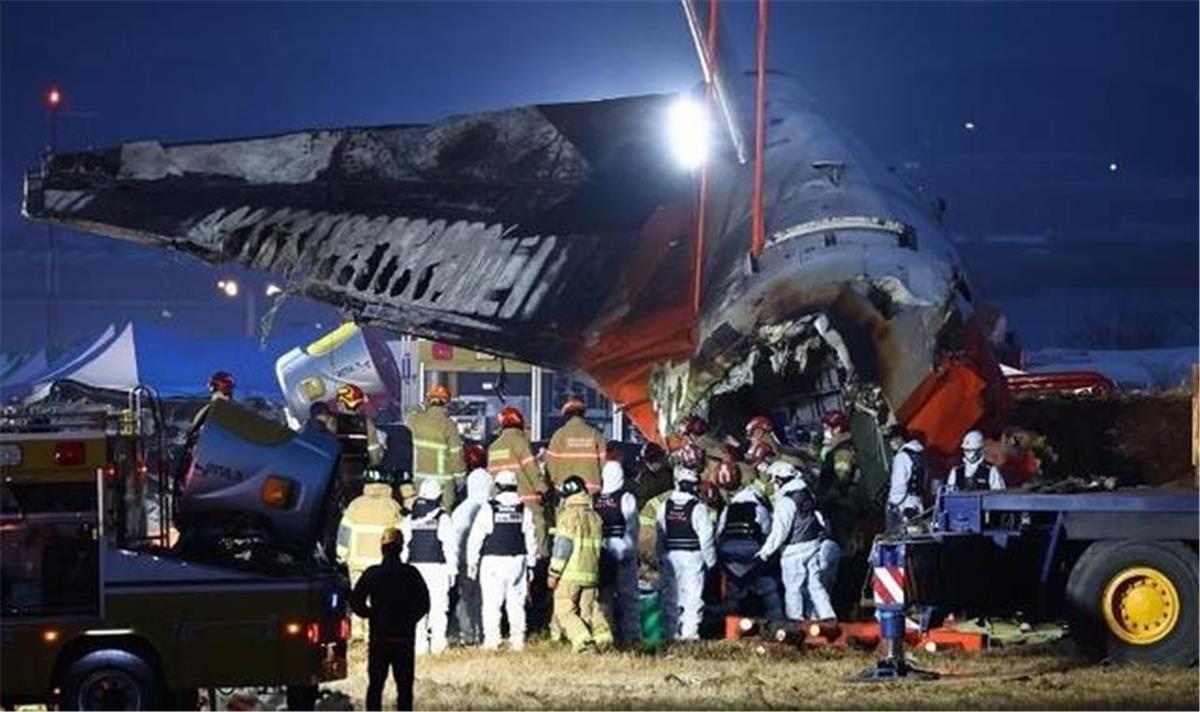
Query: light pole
(53, 103)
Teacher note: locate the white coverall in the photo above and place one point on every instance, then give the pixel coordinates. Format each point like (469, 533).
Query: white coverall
(995, 479)
(681, 572)
(621, 594)
(801, 565)
(502, 579)
(899, 499)
(439, 578)
(469, 613)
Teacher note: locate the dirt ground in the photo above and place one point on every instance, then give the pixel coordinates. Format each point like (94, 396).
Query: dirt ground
(745, 675)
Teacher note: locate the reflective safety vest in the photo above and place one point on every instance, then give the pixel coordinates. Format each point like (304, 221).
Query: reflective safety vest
(805, 525)
(424, 547)
(507, 537)
(581, 526)
(681, 535)
(576, 449)
(978, 480)
(608, 506)
(510, 451)
(741, 522)
(916, 474)
(437, 446)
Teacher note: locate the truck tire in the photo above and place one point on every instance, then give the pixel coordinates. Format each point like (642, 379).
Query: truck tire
(302, 697)
(1135, 601)
(111, 679)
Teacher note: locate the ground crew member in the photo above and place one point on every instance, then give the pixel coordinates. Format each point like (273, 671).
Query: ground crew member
(907, 484)
(437, 446)
(796, 530)
(848, 509)
(653, 475)
(351, 398)
(469, 611)
(973, 473)
(575, 569)
(576, 449)
(741, 531)
(685, 550)
(432, 549)
(501, 553)
(617, 508)
(511, 451)
(393, 597)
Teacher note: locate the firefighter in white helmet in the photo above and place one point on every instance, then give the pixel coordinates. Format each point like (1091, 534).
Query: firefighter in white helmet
(685, 549)
(430, 547)
(797, 531)
(501, 553)
(974, 473)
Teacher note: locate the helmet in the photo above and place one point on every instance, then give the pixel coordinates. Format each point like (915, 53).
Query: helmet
(475, 455)
(506, 479)
(973, 441)
(695, 425)
(437, 395)
(351, 396)
(835, 420)
(759, 452)
(758, 422)
(430, 489)
(221, 382)
(573, 405)
(612, 477)
(729, 477)
(510, 417)
(691, 456)
(651, 452)
(571, 486)
(782, 471)
(685, 474)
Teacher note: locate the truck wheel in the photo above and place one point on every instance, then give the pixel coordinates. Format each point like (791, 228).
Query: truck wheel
(110, 680)
(302, 697)
(1136, 601)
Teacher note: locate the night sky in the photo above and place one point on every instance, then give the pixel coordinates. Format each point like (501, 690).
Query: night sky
(1058, 94)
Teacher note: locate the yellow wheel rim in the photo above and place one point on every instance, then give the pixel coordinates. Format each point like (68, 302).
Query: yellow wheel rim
(1141, 605)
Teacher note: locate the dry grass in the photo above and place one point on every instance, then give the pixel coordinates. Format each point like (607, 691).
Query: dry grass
(719, 675)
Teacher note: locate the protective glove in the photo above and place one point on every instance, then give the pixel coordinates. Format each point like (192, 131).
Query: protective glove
(472, 571)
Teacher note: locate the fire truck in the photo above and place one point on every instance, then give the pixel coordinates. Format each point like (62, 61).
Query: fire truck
(103, 605)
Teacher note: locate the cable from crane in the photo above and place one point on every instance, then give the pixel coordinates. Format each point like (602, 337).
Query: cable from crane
(698, 264)
(758, 236)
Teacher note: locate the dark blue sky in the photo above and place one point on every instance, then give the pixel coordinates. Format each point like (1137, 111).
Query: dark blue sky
(1057, 92)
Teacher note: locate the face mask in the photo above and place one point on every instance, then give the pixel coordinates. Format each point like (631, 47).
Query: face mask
(972, 456)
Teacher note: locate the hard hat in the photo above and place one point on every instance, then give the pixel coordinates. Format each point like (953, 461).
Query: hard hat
(759, 452)
(782, 471)
(437, 395)
(430, 489)
(506, 478)
(474, 455)
(571, 486)
(685, 474)
(651, 452)
(573, 405)
(758, 422)
(612, 476)
(351, 396)
(695, 425)
(391, 535)
(222, 382)
(836, 420)
(510, 417)
(973, 441)
(692, 456)
(729, 477)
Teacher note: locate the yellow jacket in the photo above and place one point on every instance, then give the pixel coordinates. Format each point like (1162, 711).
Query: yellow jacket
(437, 446)
(576, 557)
(510, 451)
(576, 449)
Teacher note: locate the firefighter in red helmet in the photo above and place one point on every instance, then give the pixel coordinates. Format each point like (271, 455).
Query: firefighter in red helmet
(576, 448)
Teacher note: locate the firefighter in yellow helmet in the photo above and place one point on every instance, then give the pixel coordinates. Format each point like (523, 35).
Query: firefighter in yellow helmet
(351, 400)
(437, 446)
(575, 569)
(576, 448)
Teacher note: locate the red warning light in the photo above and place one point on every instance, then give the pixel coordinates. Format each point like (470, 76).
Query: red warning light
(53, 97)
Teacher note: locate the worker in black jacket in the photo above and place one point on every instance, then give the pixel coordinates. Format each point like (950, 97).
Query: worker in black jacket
(393, 597)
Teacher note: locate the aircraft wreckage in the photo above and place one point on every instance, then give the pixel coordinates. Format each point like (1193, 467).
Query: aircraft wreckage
(567, 235)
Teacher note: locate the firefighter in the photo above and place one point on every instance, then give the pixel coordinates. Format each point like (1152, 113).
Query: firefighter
(760, 430)
(796, 530)
(653, 476)
(501, 553)
(321, 419)
(696, 433)
(575, 569)
(685, 549)
(617, 508)
(576, 449)
(393, 597)
(363, 521)
(741, 531)
(430, 546)
(973, 473)
(848, 509)
(511, 451)
(437, 446)
(351, 399)
(907, 484)
(479, 490)
(220, 387)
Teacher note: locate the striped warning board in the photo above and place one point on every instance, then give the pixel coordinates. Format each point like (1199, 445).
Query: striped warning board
(887, 584)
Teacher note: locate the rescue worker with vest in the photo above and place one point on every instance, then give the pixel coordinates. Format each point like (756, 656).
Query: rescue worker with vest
(907, 484)
(576, 448)
(430, 546)
(797, 532)
(617, 508)
(848, 511)
(501, 553)
(437, 446)
(653, 475)
(974, 474)
(575, 569)
(741, 530)
(511, 451)
(363, 522)
(393, 597)
(469, 610)
(685, 549)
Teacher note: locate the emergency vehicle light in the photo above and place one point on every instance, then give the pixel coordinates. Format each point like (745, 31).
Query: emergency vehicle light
(10, 455)
(312, 633)
(69, 452)
(292, 628)
(277, 492)
(50, 635)
(343, 629)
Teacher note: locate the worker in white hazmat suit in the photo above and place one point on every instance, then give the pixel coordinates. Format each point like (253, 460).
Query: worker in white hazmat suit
(685, 549)
(796, 531)
(479, 490)
(974, 474)
(906, 488)
(618, 512)
(430, 546)
(501, 552)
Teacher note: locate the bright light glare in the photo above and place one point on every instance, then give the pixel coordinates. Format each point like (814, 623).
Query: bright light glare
(970, 126)
(1112, 167)
(273, 289)
(54, 97)
(688, 127)
(229, 287)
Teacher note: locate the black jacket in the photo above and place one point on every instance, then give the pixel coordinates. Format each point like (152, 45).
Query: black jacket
(393, 597)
